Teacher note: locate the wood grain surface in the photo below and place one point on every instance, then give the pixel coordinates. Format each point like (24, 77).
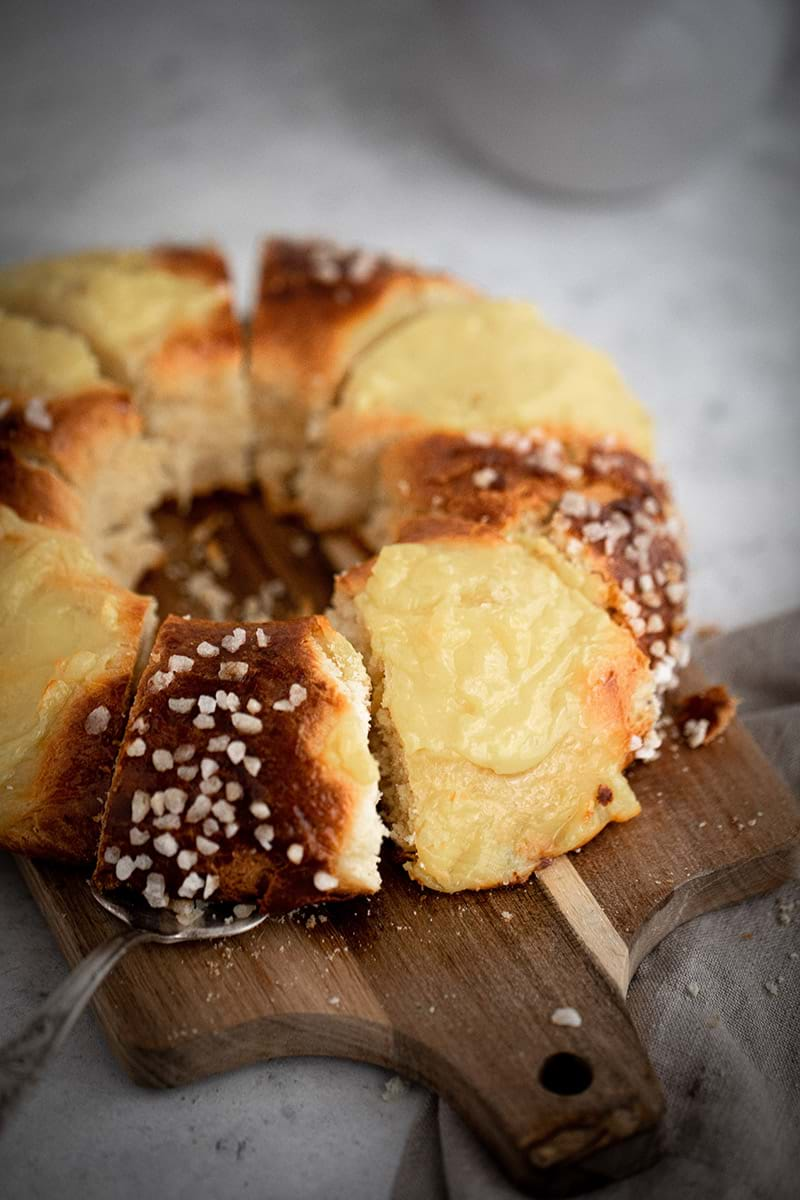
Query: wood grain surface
(454, 991)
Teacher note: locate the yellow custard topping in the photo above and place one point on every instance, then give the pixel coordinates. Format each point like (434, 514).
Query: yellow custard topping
(495, 365)
(41, 360)
(61, 629)
(512, 699)
(121, 302)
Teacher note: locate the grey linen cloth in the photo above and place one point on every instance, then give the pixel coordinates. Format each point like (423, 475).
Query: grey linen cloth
(728, 1057)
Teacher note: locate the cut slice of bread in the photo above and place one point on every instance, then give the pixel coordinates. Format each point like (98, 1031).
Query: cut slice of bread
(472, 367)
(161, 323)
(245, 771)
(319, 305)
(506, 704)
(70, 645)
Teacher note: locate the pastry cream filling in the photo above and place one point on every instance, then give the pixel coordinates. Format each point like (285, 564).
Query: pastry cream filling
(121, 302)
(37, 359)
(494, 365)
(513, 698)
(59, 630)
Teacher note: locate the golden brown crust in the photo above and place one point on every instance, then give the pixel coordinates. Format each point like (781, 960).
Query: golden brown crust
(310, 291)
(320, 305)
(37, 495)
(300, 798)
(83, 430)
(75, 773)
(206, 263)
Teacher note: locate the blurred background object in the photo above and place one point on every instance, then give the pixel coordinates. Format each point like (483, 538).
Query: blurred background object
(604, 96)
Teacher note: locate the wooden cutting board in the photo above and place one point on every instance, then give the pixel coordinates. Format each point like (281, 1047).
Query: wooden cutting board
(454, 991)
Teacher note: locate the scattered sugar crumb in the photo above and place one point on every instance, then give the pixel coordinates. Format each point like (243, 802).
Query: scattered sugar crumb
(566, 1016)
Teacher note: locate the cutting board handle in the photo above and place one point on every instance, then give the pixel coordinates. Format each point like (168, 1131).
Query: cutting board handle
(565, 1107)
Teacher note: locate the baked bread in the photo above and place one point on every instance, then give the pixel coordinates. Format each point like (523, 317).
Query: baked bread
(521, 620)
(318, 307)
(506, 704)
(60, 418)
(70, 641)
(38, 495)
(161, 323)
(245, 771)
(480, 366)
(607, 512)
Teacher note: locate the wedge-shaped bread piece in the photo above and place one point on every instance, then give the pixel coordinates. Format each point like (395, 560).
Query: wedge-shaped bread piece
(506, 705)
(58, 415)
(70, 642)
(318, 306)
(607, 511)
(161, 323)
(481, 366)
(245, 773)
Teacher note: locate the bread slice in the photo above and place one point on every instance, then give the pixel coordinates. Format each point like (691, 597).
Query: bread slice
(70, 643)
(506, 704)
(245, 771)
(479, 366)
(319, 305)
(59, 416)
(607, 512)
(161, 323)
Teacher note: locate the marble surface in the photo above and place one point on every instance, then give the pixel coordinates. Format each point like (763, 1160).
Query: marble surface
(127, 123)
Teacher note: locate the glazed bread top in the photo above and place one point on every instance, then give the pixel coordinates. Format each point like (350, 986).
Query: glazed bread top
(319, 305)
(245, 771)
(491, 365)
(69, 642)
(127, 304)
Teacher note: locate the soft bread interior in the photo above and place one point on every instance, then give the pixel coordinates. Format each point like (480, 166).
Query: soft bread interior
(347, 750)
(505, 703)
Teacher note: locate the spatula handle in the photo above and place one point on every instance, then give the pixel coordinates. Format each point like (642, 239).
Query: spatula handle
(24, 1056)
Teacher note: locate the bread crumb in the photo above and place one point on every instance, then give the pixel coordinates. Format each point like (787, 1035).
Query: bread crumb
(705, 715)
(395, 1088)
(693, 989)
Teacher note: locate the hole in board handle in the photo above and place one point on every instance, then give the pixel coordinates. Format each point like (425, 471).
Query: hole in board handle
(565, 1074)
